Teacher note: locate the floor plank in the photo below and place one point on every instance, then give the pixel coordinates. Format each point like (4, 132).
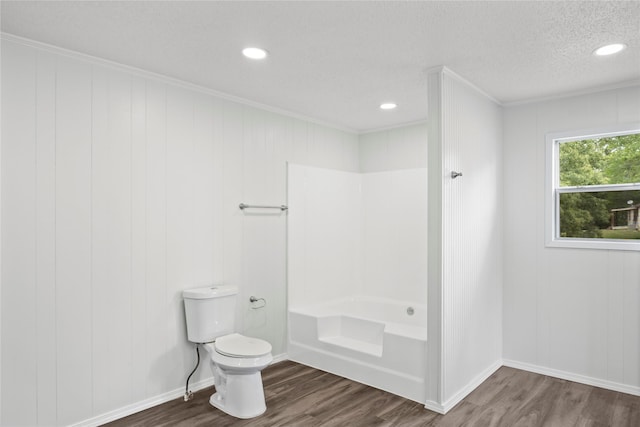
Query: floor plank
(298, 395)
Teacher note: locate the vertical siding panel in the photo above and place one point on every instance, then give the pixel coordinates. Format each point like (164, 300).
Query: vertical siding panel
(102, 295)
(253, 155)
(19, 374)
(615, 281)
(73, 241)
(46, 243)
(118, 259)
(180, 228)
(203, 185)
(435, 269)
(520, 333)
(217, 193)
(298, 143)
(351, 147)
(277, 312)
(232, 196)
(113, 201)
(258, 227)
(111, 239)
(628, 104)
(472, 237)
(204, 208)
(631, 321)
(156, 256)
(568, 310)
(139, 349)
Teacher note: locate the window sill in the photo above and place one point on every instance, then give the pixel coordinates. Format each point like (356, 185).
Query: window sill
(606, 244)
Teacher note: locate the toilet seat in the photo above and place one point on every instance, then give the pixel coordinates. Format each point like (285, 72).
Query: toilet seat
(236, 345)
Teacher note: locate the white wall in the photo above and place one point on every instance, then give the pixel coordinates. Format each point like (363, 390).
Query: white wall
(394, 235)
(356, 234)
(568, 312)
(465, 286)
(324, 235)
(393, 164)
(394, 149)
(118, 191)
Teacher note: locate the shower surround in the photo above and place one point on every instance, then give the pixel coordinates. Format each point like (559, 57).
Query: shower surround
(357, 279)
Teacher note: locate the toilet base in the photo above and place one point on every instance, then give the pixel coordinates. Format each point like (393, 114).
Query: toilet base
(242, 396)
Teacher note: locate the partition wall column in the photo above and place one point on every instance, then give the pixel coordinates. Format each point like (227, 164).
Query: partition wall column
(465, 238)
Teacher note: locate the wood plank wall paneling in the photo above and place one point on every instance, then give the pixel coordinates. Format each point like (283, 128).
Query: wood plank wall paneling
(119, 191)
(46, 235)
(394, 149)
(567, 310)
(74, 293)
(18, 226)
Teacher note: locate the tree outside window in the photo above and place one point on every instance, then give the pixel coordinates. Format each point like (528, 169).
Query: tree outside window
(595, 189)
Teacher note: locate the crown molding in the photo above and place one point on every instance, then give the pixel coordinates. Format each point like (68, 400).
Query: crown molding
(442, 69)
(392, 127)
(166, 79)
(571, 94)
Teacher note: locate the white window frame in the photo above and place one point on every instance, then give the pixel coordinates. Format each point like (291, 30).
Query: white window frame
(553, 189)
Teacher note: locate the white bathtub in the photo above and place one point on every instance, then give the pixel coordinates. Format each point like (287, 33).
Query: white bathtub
(374, 341)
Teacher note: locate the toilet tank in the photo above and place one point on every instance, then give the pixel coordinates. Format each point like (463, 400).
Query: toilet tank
(210, 312)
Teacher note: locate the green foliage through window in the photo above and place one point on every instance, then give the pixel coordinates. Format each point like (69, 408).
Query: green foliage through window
(600, 161)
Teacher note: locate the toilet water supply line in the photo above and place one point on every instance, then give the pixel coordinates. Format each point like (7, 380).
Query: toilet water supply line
(189, 394)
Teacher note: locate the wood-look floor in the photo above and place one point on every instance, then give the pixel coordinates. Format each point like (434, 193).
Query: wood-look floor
(301, 396)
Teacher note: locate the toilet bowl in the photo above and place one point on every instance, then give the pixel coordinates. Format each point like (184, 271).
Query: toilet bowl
(237, 362)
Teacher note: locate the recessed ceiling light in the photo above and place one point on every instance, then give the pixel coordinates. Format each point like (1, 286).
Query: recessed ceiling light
(609, 49)
(388, 106)
(254, 53)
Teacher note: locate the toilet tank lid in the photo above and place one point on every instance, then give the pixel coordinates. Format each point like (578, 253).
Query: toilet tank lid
(207, 292)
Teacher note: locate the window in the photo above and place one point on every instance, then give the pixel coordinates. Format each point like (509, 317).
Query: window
(593, 188)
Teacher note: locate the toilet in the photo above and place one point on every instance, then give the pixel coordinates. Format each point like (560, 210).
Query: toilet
(236, 360)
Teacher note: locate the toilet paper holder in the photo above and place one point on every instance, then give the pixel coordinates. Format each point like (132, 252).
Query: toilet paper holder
(254, 300)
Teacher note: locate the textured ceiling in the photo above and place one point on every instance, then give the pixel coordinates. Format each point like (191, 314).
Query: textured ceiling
(337, 61)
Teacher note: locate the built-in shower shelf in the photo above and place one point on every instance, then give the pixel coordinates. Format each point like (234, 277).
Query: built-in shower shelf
(354, 344)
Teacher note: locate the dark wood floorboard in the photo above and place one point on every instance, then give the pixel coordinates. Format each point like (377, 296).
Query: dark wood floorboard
(301, 396)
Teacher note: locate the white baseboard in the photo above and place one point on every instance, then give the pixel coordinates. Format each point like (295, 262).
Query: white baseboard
(430, 405)
(280, 358)
(141, 406)
(152, 401)
(569, 376)
(434, 406)
(463, 392)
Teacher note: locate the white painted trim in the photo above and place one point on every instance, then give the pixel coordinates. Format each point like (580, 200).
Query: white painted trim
(0, 234)
(166, 79)
(552, 140)
(279, 358)
(571, 94)
(569, 376)
(564, 375)
(392, 127)
(434, 406)
(445, 70)
(430, 405)
(435, 301)
(472, 385)
(125, 411)
(140, 406)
